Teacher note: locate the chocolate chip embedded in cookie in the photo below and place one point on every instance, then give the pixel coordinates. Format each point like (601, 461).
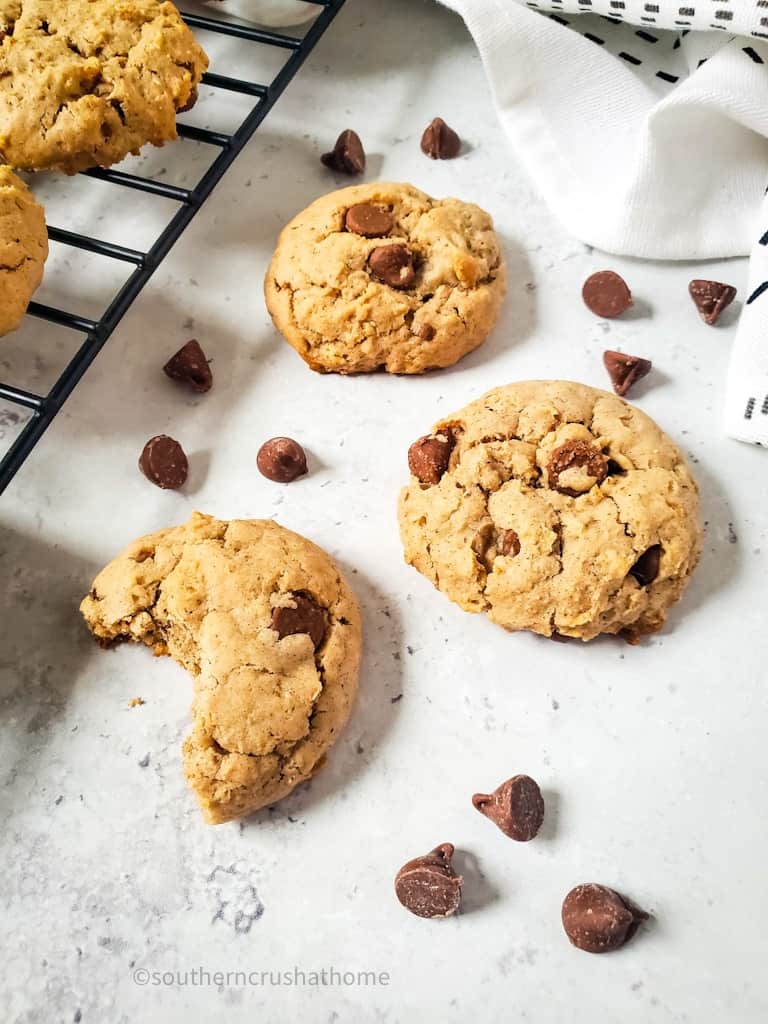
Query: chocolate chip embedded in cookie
(576, 467)
(393, 265)
(23, 248)
(300, 614)
(87, 82)
(646, 568)
(516, 807)
(553, 507)
(382, 276)
(428, 886)
(598, 920)
(368, 220)
(268, 629)
(428, 457)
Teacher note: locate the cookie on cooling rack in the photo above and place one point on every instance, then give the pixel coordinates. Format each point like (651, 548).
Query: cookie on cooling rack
(553, 507)
(86, 82)
(23, 248)
(382, 276)
(269, 630)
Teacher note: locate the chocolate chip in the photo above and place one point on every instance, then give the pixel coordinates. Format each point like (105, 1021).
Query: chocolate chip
(306, 617)
(606, 294)
(164, 463)
(393, 265)
(281, 459)
(189, 366)
(428, 886)
(426, 332)
(193, 95)
(559, 638)
(584, 465)
(428, 457)
(598, 920)
(646, 568)
(439, 142)
(625, 370)
(369, 220)
(516, 806)
(508, 543)
(347, 156)
(711, 298)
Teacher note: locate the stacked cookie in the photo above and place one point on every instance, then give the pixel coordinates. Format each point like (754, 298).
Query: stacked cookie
(83, 84)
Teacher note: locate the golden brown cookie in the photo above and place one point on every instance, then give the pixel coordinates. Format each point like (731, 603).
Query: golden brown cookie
(382, 276)
(270, 632)
(83, 83)
(553, 507)
(23, 248)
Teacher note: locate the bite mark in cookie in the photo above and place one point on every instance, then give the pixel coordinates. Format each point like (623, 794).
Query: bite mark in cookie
(270, 632)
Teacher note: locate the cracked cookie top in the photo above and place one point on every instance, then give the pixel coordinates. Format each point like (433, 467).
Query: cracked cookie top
(553, 507)
(382, 276)
(23, 248)
(268, 629)
(86, 82)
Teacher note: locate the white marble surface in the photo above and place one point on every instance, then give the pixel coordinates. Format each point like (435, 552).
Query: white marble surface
(652, 758)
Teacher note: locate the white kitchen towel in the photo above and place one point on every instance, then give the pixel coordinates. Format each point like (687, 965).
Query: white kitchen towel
(645, 125)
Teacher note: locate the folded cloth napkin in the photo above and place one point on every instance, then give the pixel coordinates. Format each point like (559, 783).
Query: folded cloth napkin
(645, 125)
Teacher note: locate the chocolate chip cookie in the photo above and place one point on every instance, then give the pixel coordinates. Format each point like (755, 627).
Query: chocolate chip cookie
(382, 276)
(86, 82)
(270, 632)
(23, 248)
(553, 507)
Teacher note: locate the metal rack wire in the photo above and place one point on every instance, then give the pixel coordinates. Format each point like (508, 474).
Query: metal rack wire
(45, 407)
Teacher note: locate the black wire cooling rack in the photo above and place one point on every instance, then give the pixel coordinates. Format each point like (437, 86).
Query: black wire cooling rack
(45, 407)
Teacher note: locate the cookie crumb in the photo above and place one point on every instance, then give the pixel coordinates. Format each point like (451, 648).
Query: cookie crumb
(136, 702)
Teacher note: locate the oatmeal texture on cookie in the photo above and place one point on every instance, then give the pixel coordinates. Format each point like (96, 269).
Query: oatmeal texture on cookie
(83, 83)
(382, 276)
(556, 508)
(23, 248)
(270, 632)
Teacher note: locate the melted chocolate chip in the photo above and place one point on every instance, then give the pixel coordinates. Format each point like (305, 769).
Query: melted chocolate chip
(516, 806)
(508, 543)
(368, 220)
(428, 457)
(193, 96)
(189, 366)
(281, 459)
(625, 370)
(597, 919)
(439, 142)
(646, 568)
(606, 294)
(164, 463)
(393, 265)
(347, 156)
(428, 886)
(577, 455)
(426, 332)
(307, 617)
(711, 298)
